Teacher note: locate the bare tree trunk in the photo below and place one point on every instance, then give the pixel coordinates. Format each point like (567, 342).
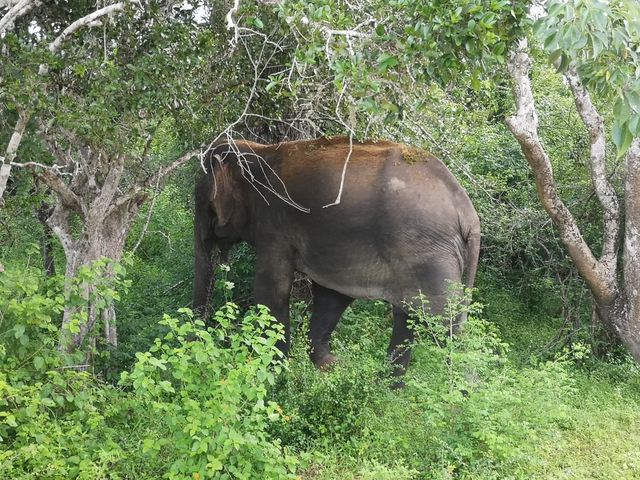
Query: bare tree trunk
(102, 237)
(617, 307)
(631, 259)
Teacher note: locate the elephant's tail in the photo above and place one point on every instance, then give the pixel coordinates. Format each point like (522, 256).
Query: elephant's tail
(472, 256)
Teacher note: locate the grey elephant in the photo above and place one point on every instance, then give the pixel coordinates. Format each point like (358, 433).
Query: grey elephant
(403, 226)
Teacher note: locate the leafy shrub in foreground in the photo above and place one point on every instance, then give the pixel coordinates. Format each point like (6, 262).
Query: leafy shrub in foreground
(209, 401)
(470, 409)
(193, 406)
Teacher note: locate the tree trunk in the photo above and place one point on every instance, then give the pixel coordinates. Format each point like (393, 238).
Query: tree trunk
(43, 212)
(101, 237)
(631, 261)
(617, 303)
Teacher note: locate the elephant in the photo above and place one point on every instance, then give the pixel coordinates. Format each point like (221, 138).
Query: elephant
(403, 226)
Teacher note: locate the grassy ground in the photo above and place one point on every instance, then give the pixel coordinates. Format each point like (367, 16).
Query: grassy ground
(530, 414)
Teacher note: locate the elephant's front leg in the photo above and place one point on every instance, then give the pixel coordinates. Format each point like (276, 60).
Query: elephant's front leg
(272, 288)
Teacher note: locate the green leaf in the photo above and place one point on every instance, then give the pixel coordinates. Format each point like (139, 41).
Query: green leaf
(621, 110)
(215, 464)
(622, 137)
(550, 41)
(555, 55)
(633, 99)
(386, 61)
(18, 330)
(38, 362)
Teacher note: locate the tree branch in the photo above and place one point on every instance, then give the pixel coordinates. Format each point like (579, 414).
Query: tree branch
(524, 126)
(68, 198)
(605, 192)
(77, 25)
(12, 148)
(81, 22)
(137, 192)
(19, 9)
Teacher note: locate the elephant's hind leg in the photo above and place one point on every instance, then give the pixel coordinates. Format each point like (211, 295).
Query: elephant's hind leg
(328, 307)
(401, 339)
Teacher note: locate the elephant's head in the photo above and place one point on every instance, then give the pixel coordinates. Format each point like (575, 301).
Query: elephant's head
(228, 198)
(221, 217)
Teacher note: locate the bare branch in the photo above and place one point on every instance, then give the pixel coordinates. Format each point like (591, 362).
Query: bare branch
(156, 191)
(343, 175)
(231, 22)
(55, 168)
(84, 21)
(605, 192)
(12, 148)
(137, 193)
(18, 9)
(87, 20)
(346, 161)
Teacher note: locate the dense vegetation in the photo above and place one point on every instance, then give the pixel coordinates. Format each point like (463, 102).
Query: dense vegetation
(526, 392)
(534, 388)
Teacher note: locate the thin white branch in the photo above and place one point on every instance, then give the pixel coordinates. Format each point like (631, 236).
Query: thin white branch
(156, 191)
(55, 167)
(12, 148)
(87, 20)
(137, 192)
(344, 174)
(346, 161)
(231, 22)
(18, 9)
(84, 21)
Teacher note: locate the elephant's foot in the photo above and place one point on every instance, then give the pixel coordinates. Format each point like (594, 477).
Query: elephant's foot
(325, 362)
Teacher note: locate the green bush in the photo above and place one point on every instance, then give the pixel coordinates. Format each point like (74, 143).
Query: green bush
(209, 401)
(193, 406)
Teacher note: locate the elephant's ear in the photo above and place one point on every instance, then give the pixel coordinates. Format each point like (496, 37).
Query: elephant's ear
(223, 192)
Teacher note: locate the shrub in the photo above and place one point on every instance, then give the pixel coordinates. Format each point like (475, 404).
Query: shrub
(209, 401)
(193, 406)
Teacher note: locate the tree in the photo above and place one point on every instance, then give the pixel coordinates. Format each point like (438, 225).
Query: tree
(119, 97)
(95, 100)
(587, 39)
